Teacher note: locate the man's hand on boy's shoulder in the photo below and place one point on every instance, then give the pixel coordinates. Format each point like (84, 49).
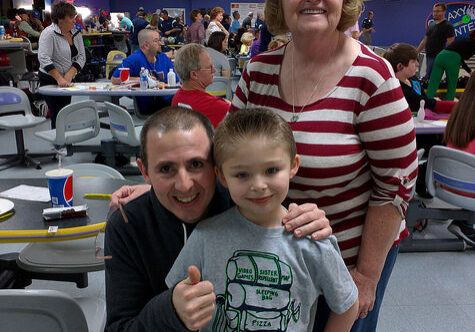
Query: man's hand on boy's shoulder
(307, 219)
(193, 300)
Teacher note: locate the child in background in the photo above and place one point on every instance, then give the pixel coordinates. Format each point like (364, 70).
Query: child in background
(264, 278)
(246, 40)
(403, 59)
(460, 134)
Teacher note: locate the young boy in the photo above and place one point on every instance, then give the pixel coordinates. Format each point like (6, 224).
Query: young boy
(403, 59)
(263, 278)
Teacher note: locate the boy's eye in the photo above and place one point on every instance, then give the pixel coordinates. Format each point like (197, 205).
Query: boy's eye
(272, 170)
(241, 175)
(196, 164)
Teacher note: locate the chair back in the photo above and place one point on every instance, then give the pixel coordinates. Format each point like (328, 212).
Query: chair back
(122, 125)
(77, 122)
(95, 170)
(420, 153)
(114, 58)
(220, 88)
(233, 63)
(40, 311)
(13, 101)
(451, 176)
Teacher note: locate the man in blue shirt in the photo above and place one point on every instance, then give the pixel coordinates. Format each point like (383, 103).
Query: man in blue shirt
(150, 57)
(125, 22)
(235, 25)
(139, 23)
(168, 26)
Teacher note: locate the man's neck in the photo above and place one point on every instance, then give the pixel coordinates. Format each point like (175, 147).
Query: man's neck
(192, 85)
(439, 21)
(150, 57)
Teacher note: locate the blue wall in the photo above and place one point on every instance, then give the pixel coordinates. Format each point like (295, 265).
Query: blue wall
(395, 20)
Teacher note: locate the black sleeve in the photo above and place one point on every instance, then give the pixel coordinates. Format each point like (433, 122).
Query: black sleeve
(265, 39)
(465, 66)
(414, 99)
(129, 307)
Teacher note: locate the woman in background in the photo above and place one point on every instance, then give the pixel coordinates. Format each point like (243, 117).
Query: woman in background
(216, 16)
(196, 32)
(217, 45)
(61, 54)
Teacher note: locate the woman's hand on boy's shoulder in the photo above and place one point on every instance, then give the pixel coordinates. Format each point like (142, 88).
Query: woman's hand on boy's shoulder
(307, 219)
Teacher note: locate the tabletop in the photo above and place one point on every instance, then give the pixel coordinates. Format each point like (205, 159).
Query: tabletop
(105, 89)
(28, 225)
(12, 44)
(430, 126)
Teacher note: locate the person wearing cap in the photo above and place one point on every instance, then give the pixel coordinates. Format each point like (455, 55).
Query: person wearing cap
(25, 27)
(247, 22)
(139, 23)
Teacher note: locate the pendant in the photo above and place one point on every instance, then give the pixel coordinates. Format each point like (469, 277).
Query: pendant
(294, 118)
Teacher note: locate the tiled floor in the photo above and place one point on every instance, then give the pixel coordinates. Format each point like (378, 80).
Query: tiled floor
(428, 292)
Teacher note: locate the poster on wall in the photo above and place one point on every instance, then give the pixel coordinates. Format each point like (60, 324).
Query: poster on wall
(176, 12)
(461, 15)
(245, 8)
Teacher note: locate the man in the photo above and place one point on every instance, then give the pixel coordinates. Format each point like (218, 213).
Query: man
(354, 31)
(235, 25)
(168, 26)
(247, 22)
(150, 57)
(439, 33)
(367, 26)
(124, 22)
(139, 23)
(26, 28)
(226, 22)
(195, 69)
(175, 159)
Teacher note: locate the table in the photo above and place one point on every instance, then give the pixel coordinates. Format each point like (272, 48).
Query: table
(430, 127)
(104, 89)
(16, 52)
(27, 224)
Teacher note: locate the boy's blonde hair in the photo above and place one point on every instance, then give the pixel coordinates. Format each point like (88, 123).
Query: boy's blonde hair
(247, 38)
(251, 122)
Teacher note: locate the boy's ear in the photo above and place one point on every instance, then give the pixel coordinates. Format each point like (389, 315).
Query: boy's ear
(400, 66)
(294, 166)
(220, 176)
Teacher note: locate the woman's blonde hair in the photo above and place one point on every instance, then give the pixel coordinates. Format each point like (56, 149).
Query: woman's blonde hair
(276, 24)
(155, 21)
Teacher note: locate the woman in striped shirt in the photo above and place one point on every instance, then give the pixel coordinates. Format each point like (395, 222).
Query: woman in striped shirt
(354, 133)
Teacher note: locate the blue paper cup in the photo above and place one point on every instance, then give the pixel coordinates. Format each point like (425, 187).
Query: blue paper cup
(60, 184)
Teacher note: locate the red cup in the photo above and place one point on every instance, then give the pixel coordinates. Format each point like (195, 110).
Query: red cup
(124, 75)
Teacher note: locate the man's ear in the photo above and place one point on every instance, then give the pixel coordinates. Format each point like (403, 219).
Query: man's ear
(143, 170)
(220, 176)
(294, 167)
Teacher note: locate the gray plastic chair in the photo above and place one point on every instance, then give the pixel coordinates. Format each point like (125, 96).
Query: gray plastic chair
(15, 114)
(420, 153)
(50, 311)
(447, 170)
(122, 125)
(221, 87)
(76, 123)
(52, 260)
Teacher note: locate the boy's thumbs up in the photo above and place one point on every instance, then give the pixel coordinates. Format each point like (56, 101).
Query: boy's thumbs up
(194, 300)
(194, 275)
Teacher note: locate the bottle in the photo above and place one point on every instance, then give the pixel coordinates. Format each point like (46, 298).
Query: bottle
(421, 113)
(143, 78)
(2, 32)
(171, 78)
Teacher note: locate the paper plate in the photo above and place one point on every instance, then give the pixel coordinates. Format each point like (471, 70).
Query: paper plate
(5, 206)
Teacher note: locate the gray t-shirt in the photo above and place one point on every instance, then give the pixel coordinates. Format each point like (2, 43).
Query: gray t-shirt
(220, 62)
(264, 279)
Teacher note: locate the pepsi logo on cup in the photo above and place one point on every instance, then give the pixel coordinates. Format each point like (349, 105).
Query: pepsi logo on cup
(60, 183)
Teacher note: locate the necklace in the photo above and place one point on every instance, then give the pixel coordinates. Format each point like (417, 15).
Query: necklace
(295, 116)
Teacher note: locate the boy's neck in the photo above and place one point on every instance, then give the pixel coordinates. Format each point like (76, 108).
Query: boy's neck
(272, 220)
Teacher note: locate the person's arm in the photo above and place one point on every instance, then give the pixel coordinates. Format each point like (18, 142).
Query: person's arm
(201, 32)
(343, 322)
(223, 29)
(25, 27)
(466, 67)
(356, 34)
(125, 194)
(127, 290)
(422, 45)
(380, 229)
(392, 157)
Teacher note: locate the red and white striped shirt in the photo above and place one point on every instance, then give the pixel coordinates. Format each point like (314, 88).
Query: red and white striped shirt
(357, 144)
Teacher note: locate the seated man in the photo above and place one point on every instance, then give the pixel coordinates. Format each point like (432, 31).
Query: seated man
(150, 57)
(176, 160)
(195, 68)
(25, 28)
(168, 26)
